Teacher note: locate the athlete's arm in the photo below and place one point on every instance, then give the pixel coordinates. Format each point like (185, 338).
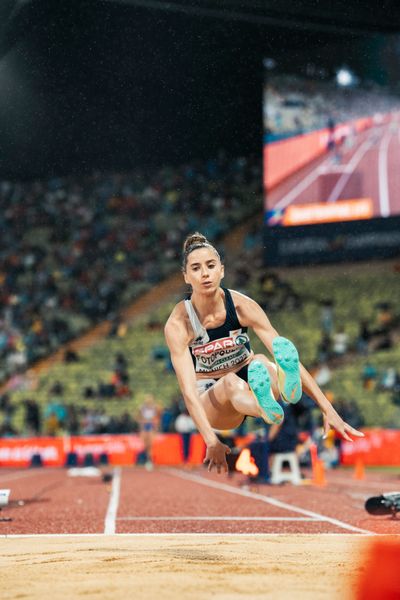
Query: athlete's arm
(252, 315)
(177, 341)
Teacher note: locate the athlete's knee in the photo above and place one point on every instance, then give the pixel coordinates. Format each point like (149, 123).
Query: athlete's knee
(232, 382)
(262, 358)
(271, 366)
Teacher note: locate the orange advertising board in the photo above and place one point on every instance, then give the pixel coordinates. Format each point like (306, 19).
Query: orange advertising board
(378, 447)
(121, 449)
(318, 212)
(16, 452)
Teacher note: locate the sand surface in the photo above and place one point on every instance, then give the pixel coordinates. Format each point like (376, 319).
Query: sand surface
(170, 567)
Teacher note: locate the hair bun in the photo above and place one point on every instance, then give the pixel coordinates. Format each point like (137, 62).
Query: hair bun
(194, 238)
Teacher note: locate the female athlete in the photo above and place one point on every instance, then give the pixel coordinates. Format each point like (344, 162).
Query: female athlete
(221, 379)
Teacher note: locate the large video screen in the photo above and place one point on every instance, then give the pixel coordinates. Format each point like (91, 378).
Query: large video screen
(331, 145)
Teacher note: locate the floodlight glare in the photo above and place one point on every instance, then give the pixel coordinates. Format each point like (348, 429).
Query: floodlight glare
(344, 77)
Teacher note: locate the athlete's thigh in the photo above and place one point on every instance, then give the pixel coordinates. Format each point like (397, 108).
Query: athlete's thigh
(217, 405)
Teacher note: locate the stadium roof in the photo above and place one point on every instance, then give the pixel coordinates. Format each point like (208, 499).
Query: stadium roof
(332, 15)
(338, 16)
(101, 83)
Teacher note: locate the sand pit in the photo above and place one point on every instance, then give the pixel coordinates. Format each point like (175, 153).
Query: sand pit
(175, 567)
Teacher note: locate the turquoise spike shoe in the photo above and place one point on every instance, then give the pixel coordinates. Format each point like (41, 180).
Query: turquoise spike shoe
(260, 385)
(288, 365)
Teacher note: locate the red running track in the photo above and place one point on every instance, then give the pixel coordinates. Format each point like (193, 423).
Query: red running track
(368, 167)
(49, 501)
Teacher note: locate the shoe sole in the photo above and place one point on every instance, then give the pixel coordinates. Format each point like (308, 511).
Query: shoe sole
(288, 367)
(260, 384)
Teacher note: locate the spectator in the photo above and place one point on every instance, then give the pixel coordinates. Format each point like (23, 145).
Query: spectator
(340, 342)
(7, 407)
(323, 375)
(388, 379)
(285, 437)
(185, 427)
(327, 316)
(369, 376)
(148, 422)
(32, 417)
(363, 338)
(72, 424)
(71, 356)
(324, 349)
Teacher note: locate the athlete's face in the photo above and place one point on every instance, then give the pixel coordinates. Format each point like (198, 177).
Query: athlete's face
(204, 270)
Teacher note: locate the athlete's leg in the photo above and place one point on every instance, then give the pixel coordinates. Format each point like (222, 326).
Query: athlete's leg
(230, 399)
(273, 373)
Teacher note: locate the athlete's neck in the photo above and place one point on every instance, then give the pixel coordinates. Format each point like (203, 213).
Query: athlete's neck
(206, 304)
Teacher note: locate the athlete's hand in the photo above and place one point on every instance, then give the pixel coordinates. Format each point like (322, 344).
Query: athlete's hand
(331, 418)
(216, 456)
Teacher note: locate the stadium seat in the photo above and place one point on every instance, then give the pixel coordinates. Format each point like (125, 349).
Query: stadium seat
(279, 475)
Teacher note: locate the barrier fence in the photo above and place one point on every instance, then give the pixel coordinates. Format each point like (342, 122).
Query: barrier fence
(378, 447)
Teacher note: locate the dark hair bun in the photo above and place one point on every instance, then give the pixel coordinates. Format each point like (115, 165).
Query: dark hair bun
(194, 238)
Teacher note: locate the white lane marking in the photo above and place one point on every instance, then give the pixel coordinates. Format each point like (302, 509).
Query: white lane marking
(218, 519)
(307, 181)
(343, 179)
(364, 484)
(291, 507)
(111, 516)
(383, 176)
(14, 476)
(334, 169)
(300, 187)
(202, 534)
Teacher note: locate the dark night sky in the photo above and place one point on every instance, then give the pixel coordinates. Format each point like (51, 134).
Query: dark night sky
(95, 85)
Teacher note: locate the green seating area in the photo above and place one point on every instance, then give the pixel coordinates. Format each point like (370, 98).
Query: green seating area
(355, 294)
(96, 366)
(356, 290)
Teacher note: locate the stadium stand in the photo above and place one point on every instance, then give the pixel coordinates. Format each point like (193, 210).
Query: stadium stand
(101, 386)
(74, 250)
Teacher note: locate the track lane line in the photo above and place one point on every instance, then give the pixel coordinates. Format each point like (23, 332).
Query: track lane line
(111, 516)
(299, 188)
(218, 519)
(183, 535)
(308, 180)
(14, 477)
(364, 484)
(383, 175)
(344, 178)
(291, 507)
(23, 475)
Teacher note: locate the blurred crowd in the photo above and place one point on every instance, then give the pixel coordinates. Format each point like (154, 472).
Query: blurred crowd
(61, 415)
(74, 250)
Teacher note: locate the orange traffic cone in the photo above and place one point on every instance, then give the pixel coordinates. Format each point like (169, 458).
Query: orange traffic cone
(380, 577)
(245, 463)
(319, 473)
(359, 470)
